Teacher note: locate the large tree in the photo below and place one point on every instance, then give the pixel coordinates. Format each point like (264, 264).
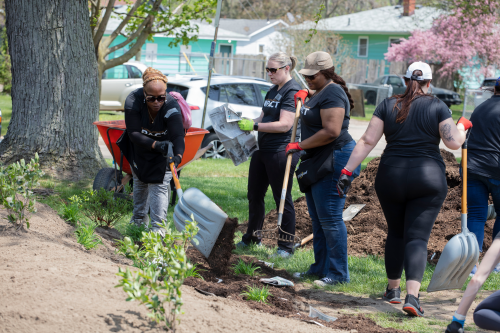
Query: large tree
(55, 95)
(140, 22)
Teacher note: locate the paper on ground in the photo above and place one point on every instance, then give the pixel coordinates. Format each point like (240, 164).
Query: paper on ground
(239, 145)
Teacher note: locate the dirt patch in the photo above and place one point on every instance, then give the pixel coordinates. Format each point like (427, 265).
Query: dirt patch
(367, 232)
(221, 252)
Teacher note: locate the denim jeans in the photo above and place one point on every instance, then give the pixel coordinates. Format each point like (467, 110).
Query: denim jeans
(478, 190)
(330, 234)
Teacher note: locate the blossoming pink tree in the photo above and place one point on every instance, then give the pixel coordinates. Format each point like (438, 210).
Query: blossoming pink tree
(467, 36)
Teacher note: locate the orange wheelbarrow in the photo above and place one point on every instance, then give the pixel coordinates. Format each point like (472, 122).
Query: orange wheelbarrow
(112, 179)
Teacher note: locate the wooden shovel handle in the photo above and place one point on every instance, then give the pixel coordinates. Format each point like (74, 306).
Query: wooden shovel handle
(307, 239)
(289, 158)
(464, 178)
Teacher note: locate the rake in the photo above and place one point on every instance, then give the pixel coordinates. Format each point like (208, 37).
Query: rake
(278, 233)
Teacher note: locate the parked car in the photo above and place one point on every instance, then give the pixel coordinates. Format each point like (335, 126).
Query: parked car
(482, 95)
(398, 85)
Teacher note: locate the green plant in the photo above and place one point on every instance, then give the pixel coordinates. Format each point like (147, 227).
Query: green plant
(101, 207)
(85, 235)
(163, 268)
(257, 294)
(243, 268)
(16, 183)
(134, 231)
(5, 64)
(194, 271)
(70, 213)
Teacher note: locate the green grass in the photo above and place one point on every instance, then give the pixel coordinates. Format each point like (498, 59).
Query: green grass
(111, 115)
(246, 269)
(369, 109)
(399, 320)
(6, 107)
(254, 293)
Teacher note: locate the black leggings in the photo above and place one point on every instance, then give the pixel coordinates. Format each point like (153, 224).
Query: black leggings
(411, 192)
(487, 313)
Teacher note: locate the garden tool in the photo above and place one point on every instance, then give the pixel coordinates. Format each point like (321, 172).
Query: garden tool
(193, 204)
(461, 252)
(275, 233)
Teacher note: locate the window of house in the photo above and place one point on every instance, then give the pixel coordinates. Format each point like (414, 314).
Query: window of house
(226, 49)
(394, 40)
(363, 47)
(261, 48)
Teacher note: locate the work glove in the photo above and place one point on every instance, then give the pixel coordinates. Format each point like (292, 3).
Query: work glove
(464, 121)
(176, 159)
(344, 182)
(162, 147)
(302, 94)
(246, 124)
(292, 148)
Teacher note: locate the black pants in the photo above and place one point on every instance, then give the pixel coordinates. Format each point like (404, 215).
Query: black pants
(411, 192)
(487, 313)
(269, 169)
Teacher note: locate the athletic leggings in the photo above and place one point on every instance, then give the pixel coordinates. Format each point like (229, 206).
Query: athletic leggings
(411, 192)
(487, 313)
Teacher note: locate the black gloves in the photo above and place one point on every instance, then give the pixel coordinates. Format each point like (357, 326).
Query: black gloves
(344, 182)
(162, 147)
(176, 159)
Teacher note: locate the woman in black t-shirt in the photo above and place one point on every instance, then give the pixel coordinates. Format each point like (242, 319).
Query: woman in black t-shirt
(410, 182)
(153, 119)
(267, 166)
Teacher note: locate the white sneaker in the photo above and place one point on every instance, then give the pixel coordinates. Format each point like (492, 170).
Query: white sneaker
(325, 282)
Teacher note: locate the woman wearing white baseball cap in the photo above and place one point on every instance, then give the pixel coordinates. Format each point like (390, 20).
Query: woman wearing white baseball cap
(411, 181)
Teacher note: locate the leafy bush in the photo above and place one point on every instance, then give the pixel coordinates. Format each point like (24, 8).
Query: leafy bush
(85, 235)
(163, 268)
(257, 294)
(135, 231)
(101, 207)
(16, 183)
(70, 213)
(248, 269)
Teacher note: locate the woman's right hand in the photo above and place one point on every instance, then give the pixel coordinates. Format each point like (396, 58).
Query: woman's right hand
(465, 122)
(161, 147)
(302, 94)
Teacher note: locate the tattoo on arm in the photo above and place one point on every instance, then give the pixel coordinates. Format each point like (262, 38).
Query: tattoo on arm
(446, 132)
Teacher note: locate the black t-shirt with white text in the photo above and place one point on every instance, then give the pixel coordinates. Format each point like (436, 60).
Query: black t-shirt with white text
(275, 101)
(418, 135)
(483, 157)
(332, 96)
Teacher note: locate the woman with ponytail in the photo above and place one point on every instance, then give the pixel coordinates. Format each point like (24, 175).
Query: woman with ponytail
(324, 122)
(267, 166)
(153, 119)
(411, 181)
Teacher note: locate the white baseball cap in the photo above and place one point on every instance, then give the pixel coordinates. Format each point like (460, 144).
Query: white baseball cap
(422, 66)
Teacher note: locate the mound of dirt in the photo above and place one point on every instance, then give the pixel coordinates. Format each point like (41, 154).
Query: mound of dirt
(367, 231)
(224, 245)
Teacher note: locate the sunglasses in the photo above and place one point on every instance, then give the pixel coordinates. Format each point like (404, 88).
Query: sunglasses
(310, 77)
(151, 99)
(273, 70)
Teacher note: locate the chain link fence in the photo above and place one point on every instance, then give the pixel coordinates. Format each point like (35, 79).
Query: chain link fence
(473, 98)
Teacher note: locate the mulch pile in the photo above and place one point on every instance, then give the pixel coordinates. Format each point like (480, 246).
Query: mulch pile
(224, 245)
(367, 231)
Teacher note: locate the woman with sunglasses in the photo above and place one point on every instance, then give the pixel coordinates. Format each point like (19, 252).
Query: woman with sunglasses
(324, 122)
(411, 181)
(267, 166)
(153, 120)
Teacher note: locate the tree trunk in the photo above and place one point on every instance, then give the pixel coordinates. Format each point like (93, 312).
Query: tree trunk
(55, 95)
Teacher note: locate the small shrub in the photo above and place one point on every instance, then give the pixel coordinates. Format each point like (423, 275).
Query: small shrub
(16, 183)
(101, 207)
(70, 213)
(194, 271)
(85, 235)
(248, 269)
(135, 231)
(257, 294)
(163, 266)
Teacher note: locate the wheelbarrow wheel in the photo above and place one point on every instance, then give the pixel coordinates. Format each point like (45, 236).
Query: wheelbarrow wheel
(217, 151)
(106, 179)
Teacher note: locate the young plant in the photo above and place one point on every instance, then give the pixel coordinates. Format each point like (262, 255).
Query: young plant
(85, 235)
(16, 183)
(163, 266)
(248, 269)
(257, 294)
(70, 213)
(101, 207)
(135, 231)
(194, 271)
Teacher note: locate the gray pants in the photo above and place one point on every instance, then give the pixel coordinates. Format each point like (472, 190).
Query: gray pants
(152, 197)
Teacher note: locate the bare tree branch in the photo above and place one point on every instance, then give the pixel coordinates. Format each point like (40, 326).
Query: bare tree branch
(130, 38)
(131, 52)
(103, 23)
(125, 21)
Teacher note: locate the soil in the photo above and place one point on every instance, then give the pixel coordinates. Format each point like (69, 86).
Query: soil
(221, 252)
(367, 231)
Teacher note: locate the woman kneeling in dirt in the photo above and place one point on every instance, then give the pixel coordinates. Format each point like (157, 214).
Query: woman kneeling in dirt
(410, 182)
(268, 164)
(324, 121)
(153, 119)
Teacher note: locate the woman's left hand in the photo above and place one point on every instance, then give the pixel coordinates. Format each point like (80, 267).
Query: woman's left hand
(246, 124)
(292, 148)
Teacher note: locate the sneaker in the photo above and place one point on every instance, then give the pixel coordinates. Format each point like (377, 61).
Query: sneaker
(393, 296)
(325, 282)
(281, 253)
(497, 268)
(474, 270)
(454, 327)
(242, 244)
(412, 306)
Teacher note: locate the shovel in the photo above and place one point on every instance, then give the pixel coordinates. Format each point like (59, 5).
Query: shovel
(461, 253)
(208, 216)
(271, 233)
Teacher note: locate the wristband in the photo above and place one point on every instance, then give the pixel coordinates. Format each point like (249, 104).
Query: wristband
(256, 126)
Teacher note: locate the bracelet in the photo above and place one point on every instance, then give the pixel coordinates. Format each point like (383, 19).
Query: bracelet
(256, 126)
(347, 169)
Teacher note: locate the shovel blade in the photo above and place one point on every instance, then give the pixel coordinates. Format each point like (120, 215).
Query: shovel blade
(209, 217)
(459, 256)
